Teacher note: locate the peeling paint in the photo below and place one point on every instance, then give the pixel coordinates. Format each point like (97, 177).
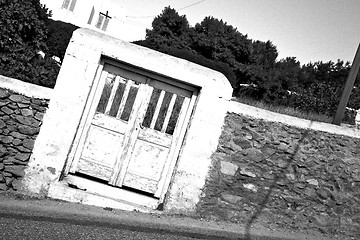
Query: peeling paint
(51, 170)
(53, 150)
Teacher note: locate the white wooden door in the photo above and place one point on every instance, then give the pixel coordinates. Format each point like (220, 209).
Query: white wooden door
(133, 131)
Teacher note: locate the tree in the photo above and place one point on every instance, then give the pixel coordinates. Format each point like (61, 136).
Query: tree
(215, 39)
(264, 54)
(169, 30)
(251, 66)
(23, 34)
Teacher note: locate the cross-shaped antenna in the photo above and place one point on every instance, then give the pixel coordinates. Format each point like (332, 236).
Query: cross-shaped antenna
(106, 15)
(106, 22)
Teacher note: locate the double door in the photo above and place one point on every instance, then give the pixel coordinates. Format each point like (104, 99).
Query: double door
(132, 130)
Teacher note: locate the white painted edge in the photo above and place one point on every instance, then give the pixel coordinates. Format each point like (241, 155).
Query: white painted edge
(62, 192)
(243, 109)
(24, 88)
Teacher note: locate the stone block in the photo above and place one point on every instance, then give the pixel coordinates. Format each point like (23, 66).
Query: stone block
(9, 161)
(22, 105)
(313, 182)
(6, 110)
(39, 116)
(5, 118)
(3, 151)
(253, 155)
(38, 108)
(323, 193)
(243, 143)
(22, 156)
(7, 139)
(233, 199)
(2, 124)
(28, 121)
(3, 187)
(19, 162)
(26, 112)
(16, 142)
(36, 101)
(19, 98)
(7, 174)
(23, 149)
(16, 184)
(15, 170)
(11, 128)
(4, 93)
(251, 187)
(27, 130)
(28, 143)
(13, 106)
(290, 176)
(228, 168)
(247, 173)
(8, 181)
(18, 135)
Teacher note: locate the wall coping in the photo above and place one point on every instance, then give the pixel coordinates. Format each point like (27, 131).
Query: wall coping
(241, 108)
(24, 88)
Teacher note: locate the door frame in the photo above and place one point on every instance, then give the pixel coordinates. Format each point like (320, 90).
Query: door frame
(169, 170)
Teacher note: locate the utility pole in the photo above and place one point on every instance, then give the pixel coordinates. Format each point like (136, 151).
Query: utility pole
(347, 89)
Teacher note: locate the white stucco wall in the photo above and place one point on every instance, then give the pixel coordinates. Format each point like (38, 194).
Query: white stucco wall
(246, 110)
(118, 27)
(24, 88)
(74, 82)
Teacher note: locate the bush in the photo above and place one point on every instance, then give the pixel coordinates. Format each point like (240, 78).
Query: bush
(23, 34)
(58, 37)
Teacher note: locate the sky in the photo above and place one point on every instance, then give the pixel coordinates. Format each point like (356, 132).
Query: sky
(310, 30)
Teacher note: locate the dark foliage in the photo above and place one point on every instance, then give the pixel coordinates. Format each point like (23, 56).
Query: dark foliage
(252, 67)
(58, 37)
(23, 34)
(196, 58)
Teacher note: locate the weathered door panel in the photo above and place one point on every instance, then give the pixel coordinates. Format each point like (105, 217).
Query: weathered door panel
(154, 139)
(107, 131)
(133, 131)
(98, 157)
(145, 166)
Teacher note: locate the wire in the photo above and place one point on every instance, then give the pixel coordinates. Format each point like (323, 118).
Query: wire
(193, 4)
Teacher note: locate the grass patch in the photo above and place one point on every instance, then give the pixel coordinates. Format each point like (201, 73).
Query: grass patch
(285, 110)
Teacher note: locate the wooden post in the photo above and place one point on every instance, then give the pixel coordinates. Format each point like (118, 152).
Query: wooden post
(347, 89)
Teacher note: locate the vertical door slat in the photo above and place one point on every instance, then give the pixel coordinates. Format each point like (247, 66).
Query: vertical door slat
(123, 99)
(157, 109)
(168, 113)
(112, 95)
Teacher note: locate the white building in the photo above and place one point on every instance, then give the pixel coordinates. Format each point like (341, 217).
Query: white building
(107, 16)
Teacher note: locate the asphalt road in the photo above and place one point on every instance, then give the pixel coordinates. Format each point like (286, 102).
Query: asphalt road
(22, 225)
(23, 218)
(14, 228)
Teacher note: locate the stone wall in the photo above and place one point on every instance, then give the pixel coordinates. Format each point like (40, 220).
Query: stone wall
(284, 177)
(20, 120)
